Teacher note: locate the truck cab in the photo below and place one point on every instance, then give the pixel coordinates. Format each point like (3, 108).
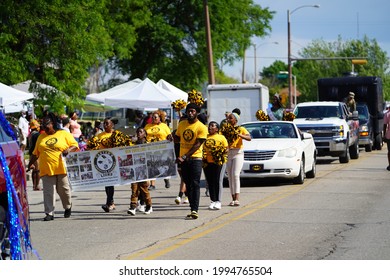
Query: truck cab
(367, 90)
(366, 134)
(335, 130)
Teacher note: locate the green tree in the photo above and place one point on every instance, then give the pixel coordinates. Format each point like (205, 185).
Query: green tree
(173, 45)
(54, 43)
(308, 71)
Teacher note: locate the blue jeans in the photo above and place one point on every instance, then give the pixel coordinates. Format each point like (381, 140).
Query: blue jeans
(191, 172)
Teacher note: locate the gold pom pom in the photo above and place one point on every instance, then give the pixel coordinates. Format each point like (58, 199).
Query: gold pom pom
(261, 116)
(230, 132)
(93, 144)
(195, 96)
(179, 105)
(289, 116)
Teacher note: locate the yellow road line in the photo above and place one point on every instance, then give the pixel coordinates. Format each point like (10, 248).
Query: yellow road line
(214, 225)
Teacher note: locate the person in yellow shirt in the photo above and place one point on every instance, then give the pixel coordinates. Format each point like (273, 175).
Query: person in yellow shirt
(51, 148)
(108, 126)
(191, 134)
(213, 161)
(236, 158)
(158, 130)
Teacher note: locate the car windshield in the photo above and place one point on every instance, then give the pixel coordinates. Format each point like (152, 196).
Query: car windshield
(271, 130)
(317, 112)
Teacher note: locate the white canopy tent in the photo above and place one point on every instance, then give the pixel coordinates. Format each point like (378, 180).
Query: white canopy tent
(100, 97)
(12, 99)
(178, 92)
(145, 95)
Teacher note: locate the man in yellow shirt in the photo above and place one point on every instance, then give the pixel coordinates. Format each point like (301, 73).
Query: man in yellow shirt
(191, 133)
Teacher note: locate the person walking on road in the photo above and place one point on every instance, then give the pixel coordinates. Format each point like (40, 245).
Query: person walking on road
(191, 133)
(386, 134)
(108, 126)
(214, 156)
(33, 137)
(24, 129)
(51, 148)
(236, 158)
(158, 130)
(140, 189)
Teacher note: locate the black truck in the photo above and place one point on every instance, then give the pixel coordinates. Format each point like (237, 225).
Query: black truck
(368, 90)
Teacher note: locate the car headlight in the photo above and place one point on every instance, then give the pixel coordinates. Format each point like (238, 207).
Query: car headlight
(288, 153)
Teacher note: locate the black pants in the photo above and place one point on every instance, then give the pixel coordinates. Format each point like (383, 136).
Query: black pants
(191, 171)
(110, 195)
(212, 173)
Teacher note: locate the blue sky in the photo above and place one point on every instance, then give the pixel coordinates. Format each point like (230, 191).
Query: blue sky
(349, 19)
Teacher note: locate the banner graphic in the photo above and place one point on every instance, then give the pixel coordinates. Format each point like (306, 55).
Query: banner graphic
(121, 165)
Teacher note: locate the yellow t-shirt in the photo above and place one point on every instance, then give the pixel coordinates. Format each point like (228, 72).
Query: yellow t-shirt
(212, 141)
(101, 136)
(188, 134)
(49, 150)
(237, 144)
(157, 132)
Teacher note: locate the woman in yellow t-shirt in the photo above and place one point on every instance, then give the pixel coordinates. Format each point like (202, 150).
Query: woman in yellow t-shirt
(236, 158)
(214, 156)
(108, 126)
(158, 130)
(50, 148)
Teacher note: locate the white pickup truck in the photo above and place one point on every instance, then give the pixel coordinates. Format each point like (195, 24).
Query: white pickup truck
(334, 129)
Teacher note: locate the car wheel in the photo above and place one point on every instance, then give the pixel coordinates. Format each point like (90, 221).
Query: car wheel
(312, 172)
(301, 176)
(354, 150)
(345, 157)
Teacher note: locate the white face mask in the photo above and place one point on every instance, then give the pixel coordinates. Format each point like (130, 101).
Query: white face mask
(23, 115)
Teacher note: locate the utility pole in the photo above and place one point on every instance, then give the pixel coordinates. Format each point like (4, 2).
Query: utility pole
(208, 40)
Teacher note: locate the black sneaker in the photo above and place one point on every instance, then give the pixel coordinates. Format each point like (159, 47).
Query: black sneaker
(167, 184)
(68, 212)
(48, 218)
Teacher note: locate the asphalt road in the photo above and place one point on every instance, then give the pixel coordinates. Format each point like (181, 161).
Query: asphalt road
(342, 214)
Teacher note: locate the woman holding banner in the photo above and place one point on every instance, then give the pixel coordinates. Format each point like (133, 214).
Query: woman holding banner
(108, 126)
(158, 130)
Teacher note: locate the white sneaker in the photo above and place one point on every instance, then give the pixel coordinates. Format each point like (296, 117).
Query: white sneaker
(217, 205)
(148, 210)
(212, 205)
(185, 200)
(178, 200)
(131, 212)
(141, 208)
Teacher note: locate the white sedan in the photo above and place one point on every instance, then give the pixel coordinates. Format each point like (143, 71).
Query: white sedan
(278, 149)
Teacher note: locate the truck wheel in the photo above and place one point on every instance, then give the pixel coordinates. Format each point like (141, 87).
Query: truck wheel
(301, 176)
(354, 150)
(368, 147)
(312, 172)
(378, 142)
(345, 157)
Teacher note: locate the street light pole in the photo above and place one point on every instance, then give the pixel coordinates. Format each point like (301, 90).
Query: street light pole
(289, 60)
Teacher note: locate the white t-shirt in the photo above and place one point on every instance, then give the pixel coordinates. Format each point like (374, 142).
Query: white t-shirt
(24, 127)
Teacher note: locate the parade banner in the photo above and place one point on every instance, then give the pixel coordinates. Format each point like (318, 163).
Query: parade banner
(121, 165)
